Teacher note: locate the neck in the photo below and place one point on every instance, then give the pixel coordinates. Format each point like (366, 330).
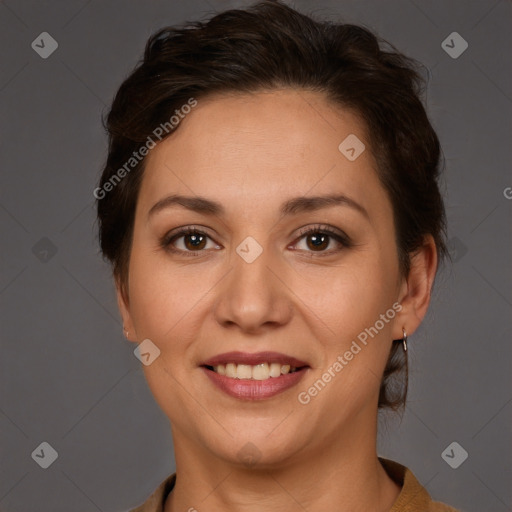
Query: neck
(344, 475)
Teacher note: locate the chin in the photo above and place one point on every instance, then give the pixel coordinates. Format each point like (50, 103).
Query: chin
(258, 449)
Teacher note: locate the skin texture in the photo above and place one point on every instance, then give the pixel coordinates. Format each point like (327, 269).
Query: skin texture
(251, 153)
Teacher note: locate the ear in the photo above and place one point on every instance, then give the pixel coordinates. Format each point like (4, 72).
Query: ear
(415, 290)
(124, 308)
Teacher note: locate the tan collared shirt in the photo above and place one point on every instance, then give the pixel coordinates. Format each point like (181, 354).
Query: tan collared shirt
(412, 498)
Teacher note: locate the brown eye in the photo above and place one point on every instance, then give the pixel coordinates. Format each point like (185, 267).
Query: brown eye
(194, 241)
(323, 240)
(188, 241)
(318, 241)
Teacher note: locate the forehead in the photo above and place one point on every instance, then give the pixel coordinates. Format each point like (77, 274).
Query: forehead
(254, 147)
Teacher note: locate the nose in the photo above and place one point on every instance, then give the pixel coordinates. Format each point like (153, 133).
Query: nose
(253, 298)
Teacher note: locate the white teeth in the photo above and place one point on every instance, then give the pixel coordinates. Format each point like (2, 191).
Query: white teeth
(230, 370)
(243, 371)
(275, 370)
(261, 371)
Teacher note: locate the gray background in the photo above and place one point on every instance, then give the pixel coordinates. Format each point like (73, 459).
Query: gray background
(67, 375)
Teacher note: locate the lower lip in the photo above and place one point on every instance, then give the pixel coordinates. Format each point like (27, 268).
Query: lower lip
(249, 389)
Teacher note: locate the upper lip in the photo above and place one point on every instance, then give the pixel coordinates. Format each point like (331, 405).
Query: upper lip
(254, 359)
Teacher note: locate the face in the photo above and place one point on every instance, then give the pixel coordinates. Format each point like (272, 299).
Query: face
(280, 257)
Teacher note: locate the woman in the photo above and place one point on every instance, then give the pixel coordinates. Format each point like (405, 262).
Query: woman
(270, 208)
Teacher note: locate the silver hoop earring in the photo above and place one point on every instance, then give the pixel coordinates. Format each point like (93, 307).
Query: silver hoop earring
(404, 340)
(125, 333)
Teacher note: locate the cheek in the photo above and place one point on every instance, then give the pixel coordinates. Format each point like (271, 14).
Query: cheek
(161, 297)
(351, 297)
(162, 305)
(350, 300)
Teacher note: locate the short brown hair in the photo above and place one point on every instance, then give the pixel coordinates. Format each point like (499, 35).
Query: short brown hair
(270, 46)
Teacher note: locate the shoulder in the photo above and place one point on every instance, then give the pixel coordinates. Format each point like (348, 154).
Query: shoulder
(156, 502)
(413, 496)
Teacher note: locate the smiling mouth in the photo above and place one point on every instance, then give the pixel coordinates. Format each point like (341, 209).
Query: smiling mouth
(262, 371)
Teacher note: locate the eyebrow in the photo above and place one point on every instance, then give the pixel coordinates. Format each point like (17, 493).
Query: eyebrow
(290, 207)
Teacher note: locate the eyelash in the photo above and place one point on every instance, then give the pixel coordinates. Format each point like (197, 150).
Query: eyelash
(341, 238)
